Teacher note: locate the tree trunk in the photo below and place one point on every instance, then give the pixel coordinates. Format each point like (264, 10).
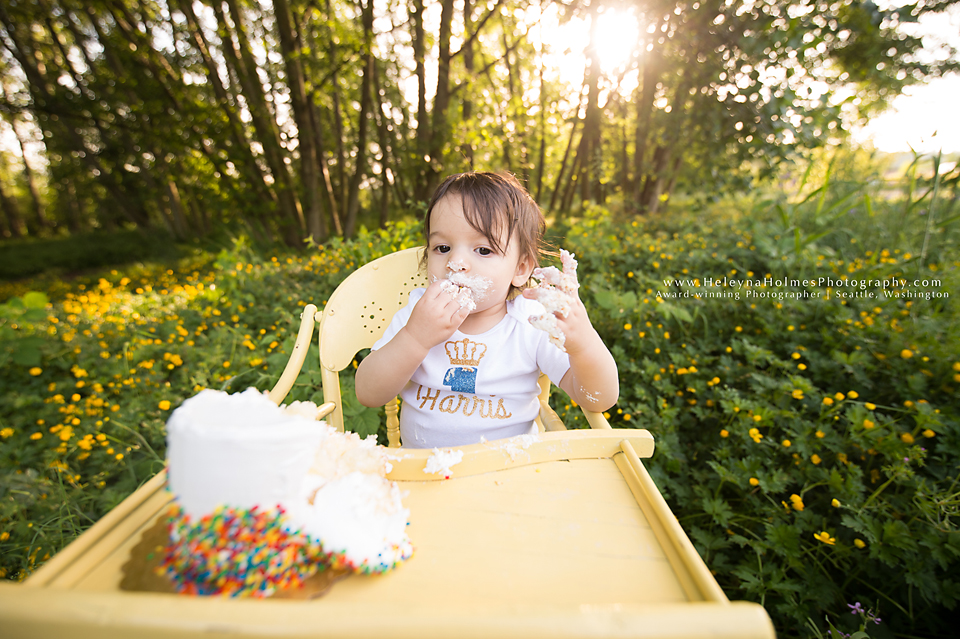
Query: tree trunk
(440, 133)
(306, 138)
(466, 148)
(421, 161)
(663, 156)
(647, 94)
(588, 154)
(11, 212)
(39, 210)
(243, 155)
(238, 52)
(360, 168)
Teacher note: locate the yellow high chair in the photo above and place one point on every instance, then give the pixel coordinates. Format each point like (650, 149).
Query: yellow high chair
(559, 535)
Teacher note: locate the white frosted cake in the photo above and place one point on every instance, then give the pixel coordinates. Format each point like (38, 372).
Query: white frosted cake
(265, 496)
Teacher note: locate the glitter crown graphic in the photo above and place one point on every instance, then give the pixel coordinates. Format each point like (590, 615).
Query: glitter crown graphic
(465, 353)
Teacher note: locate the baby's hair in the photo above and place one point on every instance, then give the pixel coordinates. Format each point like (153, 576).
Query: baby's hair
(493, 202)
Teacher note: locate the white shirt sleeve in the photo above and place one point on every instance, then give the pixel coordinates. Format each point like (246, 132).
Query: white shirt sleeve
(400, 319)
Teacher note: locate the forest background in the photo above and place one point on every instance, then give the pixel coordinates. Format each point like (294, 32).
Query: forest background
(262, 150)
(305, 120)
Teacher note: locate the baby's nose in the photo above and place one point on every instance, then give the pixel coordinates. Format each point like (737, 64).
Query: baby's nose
(456, 265)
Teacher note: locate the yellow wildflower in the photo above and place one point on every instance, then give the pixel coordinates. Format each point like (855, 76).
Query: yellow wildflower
(815, 459)
(786, 443)
(870, 406)
(802, 367)
(36, 370)
(828, 401)
(906, 353)
(795, 355)
(825, 537)
(835, 503)
(859, 543)
(928, 433)
(757, 418)
(164, 405)
(868, 424)
(755, 435)
(797, 394)
(754, 481)
(839, 397)
(796, 501)
(724, 433)
(6, 432)
(853, 395)
(907, 438)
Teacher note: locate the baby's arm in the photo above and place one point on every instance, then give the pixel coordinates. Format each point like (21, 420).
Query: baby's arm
(592, 380)
(383, 373)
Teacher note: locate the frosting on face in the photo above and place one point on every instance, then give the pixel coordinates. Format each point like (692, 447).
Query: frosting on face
(467, 290)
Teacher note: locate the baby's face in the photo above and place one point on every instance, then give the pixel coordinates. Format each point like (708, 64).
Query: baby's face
(462, 254)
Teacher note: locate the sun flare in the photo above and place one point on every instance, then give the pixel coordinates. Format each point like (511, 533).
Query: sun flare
(617, 37)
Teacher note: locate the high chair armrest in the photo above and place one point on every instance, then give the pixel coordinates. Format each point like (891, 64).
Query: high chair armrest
(325, 409)
(549, 418)
(596, 420)
(308, 320)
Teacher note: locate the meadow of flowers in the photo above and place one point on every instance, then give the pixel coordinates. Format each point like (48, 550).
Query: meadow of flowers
(810, 445)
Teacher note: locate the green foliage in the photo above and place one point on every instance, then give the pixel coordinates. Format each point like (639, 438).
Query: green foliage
(24, 312)
(808, 443)
(807, 435)
(86, 251)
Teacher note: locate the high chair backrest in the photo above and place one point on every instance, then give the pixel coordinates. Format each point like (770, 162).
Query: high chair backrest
(358, 313)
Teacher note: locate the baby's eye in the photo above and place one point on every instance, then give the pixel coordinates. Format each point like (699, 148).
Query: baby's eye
(483, 250)
(441, 248)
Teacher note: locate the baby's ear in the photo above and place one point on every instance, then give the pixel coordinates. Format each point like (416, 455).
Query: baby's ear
(524, 270)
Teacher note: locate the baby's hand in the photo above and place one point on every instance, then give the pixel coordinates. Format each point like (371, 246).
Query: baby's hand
(578, 331)
(557, 291)
(436, 316)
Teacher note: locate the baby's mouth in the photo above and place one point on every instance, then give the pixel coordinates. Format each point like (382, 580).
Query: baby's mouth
(478, 285)
(468, 290)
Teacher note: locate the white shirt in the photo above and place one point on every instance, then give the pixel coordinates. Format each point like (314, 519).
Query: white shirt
(477, 386)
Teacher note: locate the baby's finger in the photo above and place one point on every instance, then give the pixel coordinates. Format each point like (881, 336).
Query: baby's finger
(434, 290)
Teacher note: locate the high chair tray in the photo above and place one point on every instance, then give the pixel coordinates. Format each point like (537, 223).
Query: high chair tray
(559, 535)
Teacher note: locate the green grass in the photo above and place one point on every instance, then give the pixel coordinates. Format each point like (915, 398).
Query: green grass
(810, 446)
(68, 255)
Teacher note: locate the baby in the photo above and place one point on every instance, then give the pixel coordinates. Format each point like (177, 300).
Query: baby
(462, 354)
